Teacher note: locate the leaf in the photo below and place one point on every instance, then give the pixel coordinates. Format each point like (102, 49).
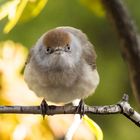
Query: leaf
(19, 11)
(8, 8)
(16, 15)
(95, 6)
(32, 9)
(94, 127)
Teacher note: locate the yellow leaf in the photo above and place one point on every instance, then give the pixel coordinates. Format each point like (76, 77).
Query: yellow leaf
(8, 8)
(19, 11)
(32, 9)
(94, 127)
(12, 22)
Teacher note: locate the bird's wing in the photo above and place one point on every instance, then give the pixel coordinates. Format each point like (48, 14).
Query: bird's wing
(90, 55)
(29, 56)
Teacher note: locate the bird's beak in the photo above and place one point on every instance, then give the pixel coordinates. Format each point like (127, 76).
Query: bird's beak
(58, 50)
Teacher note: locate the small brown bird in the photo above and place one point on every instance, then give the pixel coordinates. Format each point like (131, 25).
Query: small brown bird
(61, 67)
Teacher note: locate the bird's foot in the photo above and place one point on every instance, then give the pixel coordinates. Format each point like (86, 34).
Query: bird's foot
(81, 108)
(44, 107)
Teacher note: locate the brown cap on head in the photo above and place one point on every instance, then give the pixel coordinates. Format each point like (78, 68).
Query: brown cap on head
(56, 38)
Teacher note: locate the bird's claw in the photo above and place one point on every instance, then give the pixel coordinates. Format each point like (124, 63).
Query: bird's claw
(81, 108)
(44, 108)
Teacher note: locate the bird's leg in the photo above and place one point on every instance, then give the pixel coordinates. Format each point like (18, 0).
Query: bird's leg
(81, 108)
(44, 107)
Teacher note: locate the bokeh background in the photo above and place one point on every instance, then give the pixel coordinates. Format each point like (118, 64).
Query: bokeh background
(114, 81)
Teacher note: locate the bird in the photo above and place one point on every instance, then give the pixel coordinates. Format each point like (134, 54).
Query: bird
(61, 66)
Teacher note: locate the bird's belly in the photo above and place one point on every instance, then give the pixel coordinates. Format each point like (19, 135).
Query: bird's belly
(62, 88)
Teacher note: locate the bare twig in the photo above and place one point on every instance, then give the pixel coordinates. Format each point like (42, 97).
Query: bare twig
(129, 39)
(122, 107)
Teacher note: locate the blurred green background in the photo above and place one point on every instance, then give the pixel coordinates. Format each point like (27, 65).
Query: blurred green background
(114, 81)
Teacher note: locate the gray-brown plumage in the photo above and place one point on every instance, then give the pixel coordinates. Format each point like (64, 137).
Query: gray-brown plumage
(62, 66)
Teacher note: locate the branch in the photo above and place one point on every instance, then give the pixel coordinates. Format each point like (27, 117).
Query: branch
(129, 39)
(122, 107)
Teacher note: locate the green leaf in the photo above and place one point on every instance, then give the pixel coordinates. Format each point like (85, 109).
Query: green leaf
(95, 6)
(94, 127)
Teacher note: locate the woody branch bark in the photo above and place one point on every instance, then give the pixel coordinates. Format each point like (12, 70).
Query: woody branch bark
(122, 107)
(129, 40)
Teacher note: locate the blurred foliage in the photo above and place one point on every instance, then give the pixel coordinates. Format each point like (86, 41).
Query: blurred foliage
(114, 79)
(20, 10)
(94, 127)
(95, 6)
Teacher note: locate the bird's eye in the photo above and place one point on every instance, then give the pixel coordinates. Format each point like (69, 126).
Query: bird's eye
(67, 48)
(48, 50)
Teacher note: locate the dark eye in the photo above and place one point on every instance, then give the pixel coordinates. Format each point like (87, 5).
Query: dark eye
(48, 50)
(67, 48)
